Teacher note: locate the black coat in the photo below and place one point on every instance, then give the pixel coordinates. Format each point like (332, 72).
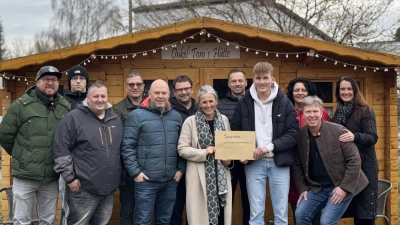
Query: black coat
(285, 125)
(227, 105)
(74, 97)
(364, 205)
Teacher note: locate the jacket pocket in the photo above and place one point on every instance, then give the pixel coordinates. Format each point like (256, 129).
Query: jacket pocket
(337, 156)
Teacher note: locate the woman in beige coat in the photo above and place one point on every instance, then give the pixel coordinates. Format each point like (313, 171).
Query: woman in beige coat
(208, 181)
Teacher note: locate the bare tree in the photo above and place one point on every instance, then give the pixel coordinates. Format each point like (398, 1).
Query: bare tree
(80, 21)
(20, 47)
(2, 43)
(342, 21)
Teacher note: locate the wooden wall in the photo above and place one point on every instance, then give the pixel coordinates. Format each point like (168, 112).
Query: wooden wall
(378, 89)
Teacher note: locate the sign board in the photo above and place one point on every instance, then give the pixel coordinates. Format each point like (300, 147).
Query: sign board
(235, 145)
(201, 51)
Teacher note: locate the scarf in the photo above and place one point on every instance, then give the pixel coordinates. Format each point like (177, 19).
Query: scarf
(344, 111)
(216, 183)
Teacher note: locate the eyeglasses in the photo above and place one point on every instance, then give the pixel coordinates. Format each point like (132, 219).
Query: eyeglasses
(75, 78)
(138, 85)
(47, 80)
(180, 90)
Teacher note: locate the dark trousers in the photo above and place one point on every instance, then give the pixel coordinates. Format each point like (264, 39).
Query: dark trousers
(176, 218)
(127, 200)
(238, 175)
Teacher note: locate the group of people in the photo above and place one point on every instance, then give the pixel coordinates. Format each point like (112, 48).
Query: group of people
(159, 151)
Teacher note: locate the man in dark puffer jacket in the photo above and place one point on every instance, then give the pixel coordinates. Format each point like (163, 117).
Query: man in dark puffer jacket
(149, 152)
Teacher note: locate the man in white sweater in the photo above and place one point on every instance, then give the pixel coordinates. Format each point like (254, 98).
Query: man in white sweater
(266, 110)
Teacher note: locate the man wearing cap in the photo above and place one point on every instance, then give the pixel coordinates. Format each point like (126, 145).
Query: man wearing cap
(78, 80)
(27, 134)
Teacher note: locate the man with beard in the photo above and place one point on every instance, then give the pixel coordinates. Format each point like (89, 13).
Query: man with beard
(237, 84)
(27, 134)
(78, 80)
(185, 105)
(134, 87)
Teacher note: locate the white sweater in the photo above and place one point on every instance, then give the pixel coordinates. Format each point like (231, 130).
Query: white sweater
(263, 120)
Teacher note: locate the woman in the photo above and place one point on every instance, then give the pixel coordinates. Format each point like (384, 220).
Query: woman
(297, 90)
(359, 119)
(206, 177)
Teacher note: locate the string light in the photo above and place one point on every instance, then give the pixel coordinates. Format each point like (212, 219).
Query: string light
(218, 39)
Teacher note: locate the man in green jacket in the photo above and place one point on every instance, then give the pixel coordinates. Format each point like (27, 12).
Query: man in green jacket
(27, 134)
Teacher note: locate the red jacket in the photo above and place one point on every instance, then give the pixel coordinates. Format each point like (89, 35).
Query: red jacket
(293, 195)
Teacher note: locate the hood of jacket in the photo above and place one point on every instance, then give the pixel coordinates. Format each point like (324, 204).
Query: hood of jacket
(145, 104)
(271, 97)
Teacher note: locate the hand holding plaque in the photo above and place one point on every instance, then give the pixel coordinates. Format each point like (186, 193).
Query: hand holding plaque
(235, 145)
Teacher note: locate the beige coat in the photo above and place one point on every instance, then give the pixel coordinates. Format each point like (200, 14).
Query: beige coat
(196, 197)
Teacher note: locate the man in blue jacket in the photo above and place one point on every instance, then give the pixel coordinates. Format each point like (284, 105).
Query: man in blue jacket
(149, 152)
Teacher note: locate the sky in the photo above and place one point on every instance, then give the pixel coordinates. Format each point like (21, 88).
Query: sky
(25, 18)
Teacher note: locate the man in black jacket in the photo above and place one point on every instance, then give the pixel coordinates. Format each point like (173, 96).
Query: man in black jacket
(134, 86)
(87, 154)
(78, 80)
(237, 84)
(265, 110)
(185, 105)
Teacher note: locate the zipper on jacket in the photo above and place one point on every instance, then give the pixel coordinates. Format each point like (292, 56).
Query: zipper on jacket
(108, 152)
(165, 147)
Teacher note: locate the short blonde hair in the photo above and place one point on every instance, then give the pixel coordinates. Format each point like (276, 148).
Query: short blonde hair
(262, 68)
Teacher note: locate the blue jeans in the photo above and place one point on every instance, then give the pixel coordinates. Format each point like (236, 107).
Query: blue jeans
(257, 174)
(127, 200)
(88, 208)
(151, 195)
(306, 210)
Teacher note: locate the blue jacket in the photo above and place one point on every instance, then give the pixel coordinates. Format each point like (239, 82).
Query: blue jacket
(149, 143)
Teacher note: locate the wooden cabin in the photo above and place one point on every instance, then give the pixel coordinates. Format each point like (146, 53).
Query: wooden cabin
(206, 50)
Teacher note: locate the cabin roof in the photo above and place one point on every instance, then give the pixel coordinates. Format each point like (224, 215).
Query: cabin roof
(201, 23)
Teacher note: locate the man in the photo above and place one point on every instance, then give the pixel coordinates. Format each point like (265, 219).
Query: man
(87, 154)
(149, 151)
(27, 134)
(327, 172)
(265, 110)
(134, 87)
(185, 105)
(237, 84)
(78, 80)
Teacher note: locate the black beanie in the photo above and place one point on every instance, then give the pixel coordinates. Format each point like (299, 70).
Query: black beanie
(78, 70)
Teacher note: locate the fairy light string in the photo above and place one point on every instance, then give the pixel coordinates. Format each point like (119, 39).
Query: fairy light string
(209, 35)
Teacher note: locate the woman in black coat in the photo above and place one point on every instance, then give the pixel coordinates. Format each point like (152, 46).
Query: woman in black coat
(359, 120)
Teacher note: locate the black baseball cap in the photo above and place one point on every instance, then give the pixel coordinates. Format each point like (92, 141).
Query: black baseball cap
(48, 70)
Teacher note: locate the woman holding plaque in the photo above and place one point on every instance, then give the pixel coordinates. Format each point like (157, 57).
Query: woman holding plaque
(208, 186)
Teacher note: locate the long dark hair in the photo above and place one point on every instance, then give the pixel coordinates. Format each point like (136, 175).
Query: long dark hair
(359, 102)
(308, 84)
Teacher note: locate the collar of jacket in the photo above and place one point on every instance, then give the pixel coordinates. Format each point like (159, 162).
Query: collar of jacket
(145, 104)
(34, 92)
(109, 113)
(129, 104)
(68, 92)
(176, 105)
(231, 97)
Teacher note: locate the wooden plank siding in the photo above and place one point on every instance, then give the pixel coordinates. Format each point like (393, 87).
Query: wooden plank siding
(377, 87)
(381, 98)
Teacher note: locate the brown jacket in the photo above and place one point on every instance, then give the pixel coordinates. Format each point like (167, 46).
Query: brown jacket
(341, 160)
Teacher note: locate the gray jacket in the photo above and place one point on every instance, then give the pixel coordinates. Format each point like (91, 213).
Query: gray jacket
(88, 149)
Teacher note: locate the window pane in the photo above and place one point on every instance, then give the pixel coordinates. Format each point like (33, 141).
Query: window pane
(324, 91)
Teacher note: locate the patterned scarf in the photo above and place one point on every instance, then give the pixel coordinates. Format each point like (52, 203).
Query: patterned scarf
(215, 170)
(344, 111)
